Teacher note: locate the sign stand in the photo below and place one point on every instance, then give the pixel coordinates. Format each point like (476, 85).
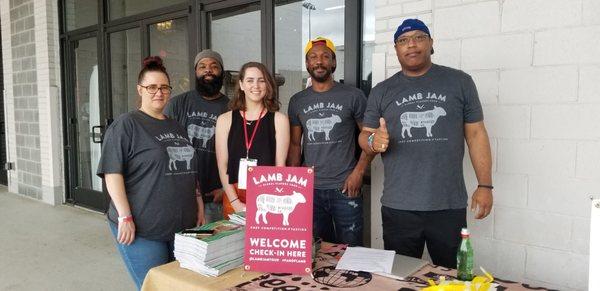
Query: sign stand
(279, 212)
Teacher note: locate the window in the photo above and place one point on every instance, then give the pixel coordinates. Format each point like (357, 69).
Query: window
(125, 56)
(81, 13)
(122, 8)
(295, 24)
(169, 40)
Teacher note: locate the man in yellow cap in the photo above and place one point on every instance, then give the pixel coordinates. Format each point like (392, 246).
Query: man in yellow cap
(326, 115)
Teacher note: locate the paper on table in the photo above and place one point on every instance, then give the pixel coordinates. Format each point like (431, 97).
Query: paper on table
(366, 259)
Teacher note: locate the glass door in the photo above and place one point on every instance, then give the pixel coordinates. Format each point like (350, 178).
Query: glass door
(235, 33)
(125, 64)
(295, 23)
(86, 124)
(169, 39)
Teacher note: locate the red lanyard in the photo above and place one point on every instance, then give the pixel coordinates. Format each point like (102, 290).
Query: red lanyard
(249, 142)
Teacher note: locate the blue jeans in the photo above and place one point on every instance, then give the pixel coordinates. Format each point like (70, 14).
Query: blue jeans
(143, 255)
(337, 218)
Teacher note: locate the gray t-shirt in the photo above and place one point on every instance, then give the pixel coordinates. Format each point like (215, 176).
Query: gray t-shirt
(199, 117)
(158, 165)
(329, 120)
(425, 117)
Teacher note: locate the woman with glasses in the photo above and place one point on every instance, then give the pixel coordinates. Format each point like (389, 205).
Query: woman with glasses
(252, 133)
(149, 168)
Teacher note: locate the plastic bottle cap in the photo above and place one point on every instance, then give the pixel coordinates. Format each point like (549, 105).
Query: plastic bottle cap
(464, 231)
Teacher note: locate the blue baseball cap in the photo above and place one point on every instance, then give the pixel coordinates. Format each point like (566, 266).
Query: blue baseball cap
(410, 25)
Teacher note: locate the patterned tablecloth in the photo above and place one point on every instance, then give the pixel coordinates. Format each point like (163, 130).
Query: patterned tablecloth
(326, 277)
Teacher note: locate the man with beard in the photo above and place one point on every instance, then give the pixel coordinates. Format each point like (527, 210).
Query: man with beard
(197, 111)
(419, 120)
(323, 117)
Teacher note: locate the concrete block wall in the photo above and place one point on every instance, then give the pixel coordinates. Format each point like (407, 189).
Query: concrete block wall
(32, 98)
(25, 92)
(537, 68)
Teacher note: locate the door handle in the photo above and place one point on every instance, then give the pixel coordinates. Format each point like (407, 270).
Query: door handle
(97, 133)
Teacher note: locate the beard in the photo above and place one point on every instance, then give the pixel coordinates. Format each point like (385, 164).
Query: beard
(209, 88)
(322, 78)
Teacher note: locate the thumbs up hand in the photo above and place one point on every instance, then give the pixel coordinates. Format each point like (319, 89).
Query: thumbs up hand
(381, 139)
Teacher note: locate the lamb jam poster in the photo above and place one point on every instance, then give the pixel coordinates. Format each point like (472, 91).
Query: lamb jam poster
(279, 211)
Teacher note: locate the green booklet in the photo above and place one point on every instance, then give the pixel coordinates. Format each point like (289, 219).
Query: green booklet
(220, 230)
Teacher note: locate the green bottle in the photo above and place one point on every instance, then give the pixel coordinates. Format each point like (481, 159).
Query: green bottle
(464, 257)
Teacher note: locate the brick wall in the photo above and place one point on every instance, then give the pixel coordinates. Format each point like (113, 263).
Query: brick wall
(536, 65)
(24, 82)
(32, 87)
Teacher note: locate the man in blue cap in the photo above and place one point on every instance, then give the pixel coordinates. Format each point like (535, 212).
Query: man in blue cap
(418, 120)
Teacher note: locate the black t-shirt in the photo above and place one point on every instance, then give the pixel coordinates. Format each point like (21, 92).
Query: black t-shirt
(328, 120)
(158, 164)
(199, 117)
(263, 146)
(425, 117)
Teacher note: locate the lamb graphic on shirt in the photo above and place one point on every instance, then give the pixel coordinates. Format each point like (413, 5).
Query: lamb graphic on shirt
(185, 153)
(200, 132)
(321, 125)
(425, 119)
(277, 204)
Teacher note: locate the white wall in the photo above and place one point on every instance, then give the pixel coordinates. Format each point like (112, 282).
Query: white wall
(536, 64)
(48, 77)
(9, 104)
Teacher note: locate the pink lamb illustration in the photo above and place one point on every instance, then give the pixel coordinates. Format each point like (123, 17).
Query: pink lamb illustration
(277, 204)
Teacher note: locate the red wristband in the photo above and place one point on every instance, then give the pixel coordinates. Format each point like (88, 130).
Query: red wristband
(127, 218)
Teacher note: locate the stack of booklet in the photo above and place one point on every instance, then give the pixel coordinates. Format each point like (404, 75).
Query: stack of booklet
(211, 249)
(238, 218)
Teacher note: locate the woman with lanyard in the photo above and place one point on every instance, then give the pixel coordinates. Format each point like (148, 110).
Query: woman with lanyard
(149, 167)
(252, 133)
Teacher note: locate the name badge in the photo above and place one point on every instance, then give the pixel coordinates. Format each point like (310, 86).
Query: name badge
(243, 171)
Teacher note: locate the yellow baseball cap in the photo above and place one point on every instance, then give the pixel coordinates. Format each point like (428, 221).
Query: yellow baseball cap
(319, 41)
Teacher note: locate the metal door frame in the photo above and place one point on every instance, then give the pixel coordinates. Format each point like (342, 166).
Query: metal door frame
(196, 12)
(96, 200)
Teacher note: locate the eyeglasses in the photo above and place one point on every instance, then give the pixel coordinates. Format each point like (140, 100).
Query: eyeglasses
(419, 38)
(152, 89)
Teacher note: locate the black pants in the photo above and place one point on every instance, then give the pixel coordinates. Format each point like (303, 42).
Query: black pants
(406, 232)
